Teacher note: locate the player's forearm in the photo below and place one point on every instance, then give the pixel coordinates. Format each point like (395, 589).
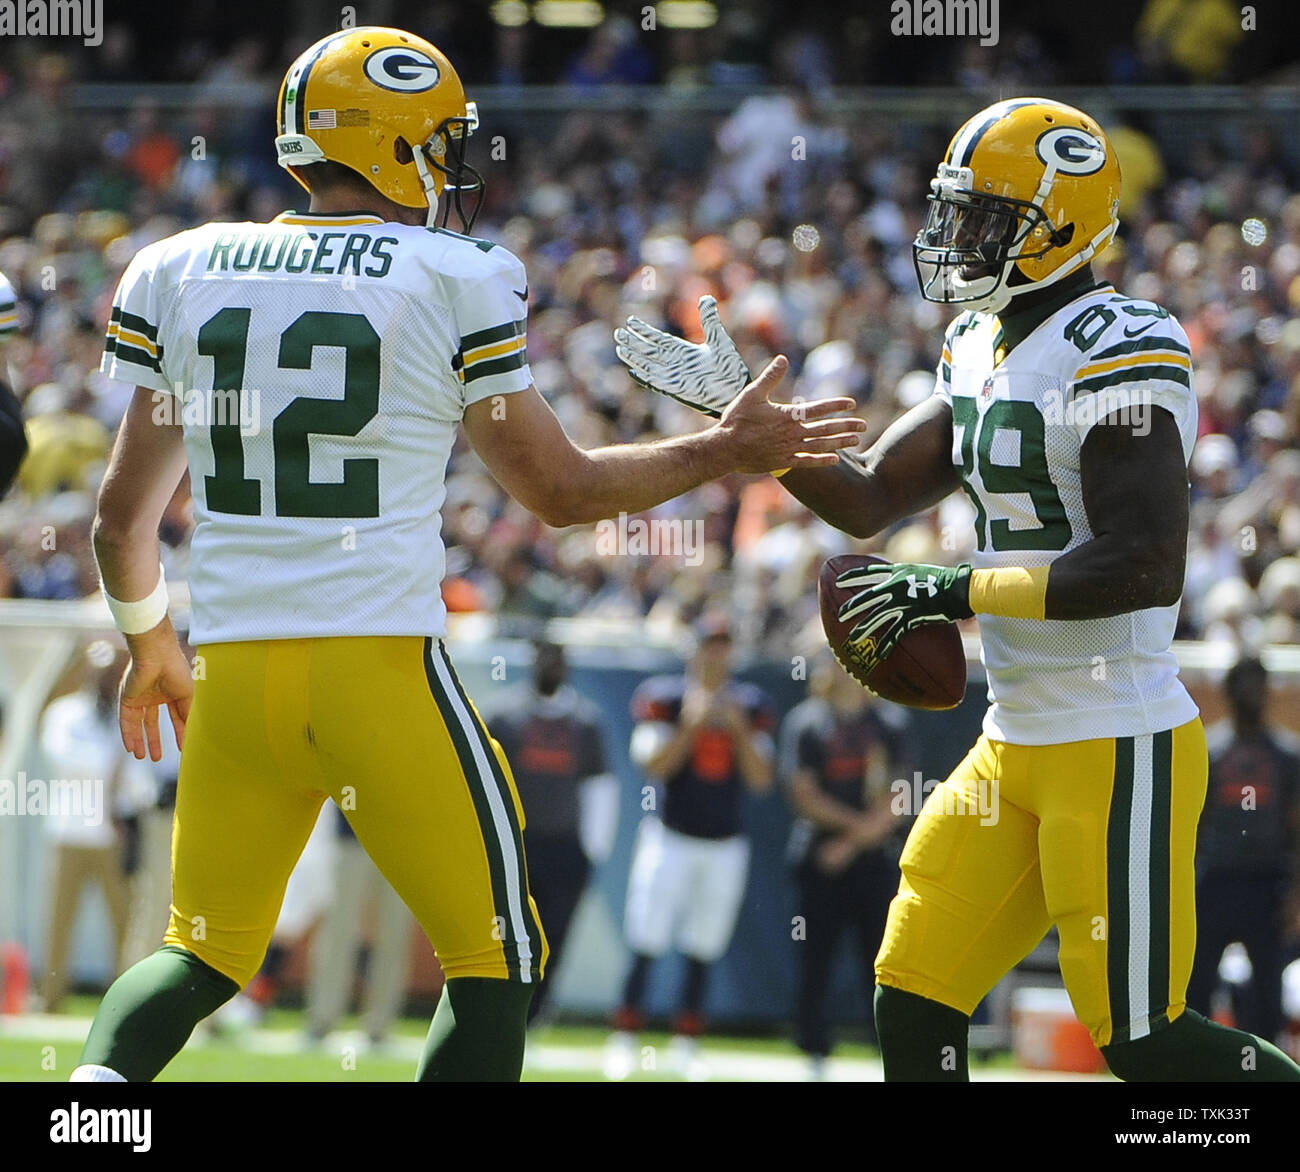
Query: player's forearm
(907, 470)
(840, 496)
(147, 464)
(129, 569)
(630, 478)
(859, 502)
(528, 452)
(128, 559)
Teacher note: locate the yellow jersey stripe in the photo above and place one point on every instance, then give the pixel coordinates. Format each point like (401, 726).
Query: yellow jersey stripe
(132, 338)
(1143, 358)
(495, 350)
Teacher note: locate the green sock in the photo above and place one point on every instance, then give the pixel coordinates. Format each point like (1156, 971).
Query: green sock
(1191, 1049)
(149, 1012)
(477, 1033)
(920, 1040)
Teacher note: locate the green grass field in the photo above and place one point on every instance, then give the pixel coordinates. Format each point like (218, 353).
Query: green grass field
(45, 1049)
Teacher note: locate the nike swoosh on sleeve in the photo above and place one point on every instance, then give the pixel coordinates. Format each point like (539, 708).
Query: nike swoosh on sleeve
(1134, 333)
(522, 296)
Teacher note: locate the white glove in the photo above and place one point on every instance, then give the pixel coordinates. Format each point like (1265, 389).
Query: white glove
(705, 377)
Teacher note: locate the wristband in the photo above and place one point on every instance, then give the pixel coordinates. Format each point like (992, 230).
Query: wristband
(1012, 592)
(134, 618)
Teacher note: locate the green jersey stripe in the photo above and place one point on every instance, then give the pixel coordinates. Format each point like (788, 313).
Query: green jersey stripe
(1138, 346)
(133, 321)
(1161, 799)
(481, 245)
(1117, 889)
(511, 329)
(133, 354)
(496, 366)
(518, 876)
(962, 324)
(476, 783)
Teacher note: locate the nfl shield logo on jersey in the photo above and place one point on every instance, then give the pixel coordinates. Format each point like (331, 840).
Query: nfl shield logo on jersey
(987, 393)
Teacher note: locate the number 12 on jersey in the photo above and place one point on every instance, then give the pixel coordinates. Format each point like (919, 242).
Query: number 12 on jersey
(224, 339)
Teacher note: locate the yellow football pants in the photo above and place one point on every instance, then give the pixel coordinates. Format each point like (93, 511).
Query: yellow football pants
(1096, 837)
(384, 727)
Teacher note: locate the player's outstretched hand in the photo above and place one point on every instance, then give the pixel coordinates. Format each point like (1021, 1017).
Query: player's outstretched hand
(154, 678)
(768, 436)
(705, 377)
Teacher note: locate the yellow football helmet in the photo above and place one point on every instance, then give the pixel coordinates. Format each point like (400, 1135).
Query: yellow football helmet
(387, 104)
(1027, 193)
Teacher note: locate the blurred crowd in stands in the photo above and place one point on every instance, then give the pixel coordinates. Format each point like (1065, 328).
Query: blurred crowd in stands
(797, 217)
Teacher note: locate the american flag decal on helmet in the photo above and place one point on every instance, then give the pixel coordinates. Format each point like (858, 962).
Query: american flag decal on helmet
(321, 120)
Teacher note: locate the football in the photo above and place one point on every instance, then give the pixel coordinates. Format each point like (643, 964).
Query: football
(927, 668)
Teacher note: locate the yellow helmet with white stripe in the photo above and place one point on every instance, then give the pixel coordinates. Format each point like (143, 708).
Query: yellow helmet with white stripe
(386, 104)
(1027, 193)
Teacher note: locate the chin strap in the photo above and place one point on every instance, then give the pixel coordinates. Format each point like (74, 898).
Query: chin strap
(430, 187)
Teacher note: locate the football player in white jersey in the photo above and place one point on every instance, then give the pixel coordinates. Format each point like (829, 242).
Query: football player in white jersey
(318, 368)
(1065, 411)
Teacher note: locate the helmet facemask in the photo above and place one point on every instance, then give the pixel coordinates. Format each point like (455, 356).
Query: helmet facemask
(445, 153)
(966, 252)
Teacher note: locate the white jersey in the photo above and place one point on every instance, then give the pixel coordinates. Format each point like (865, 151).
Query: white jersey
(8, 309)
(1018, 427)
(321, 366)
